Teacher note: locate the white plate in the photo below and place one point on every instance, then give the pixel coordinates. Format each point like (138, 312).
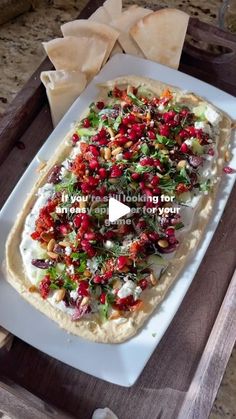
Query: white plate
(121, 363)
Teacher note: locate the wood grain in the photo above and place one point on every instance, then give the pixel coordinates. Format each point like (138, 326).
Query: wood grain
(204, 386)
(18, 403)
(163, 387)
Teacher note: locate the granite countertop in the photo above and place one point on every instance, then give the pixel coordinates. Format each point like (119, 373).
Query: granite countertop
(21, 53)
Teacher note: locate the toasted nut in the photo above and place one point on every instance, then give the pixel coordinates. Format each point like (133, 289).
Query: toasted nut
(44, 245)
(33, 288)
(84, 301)
(114, 180)
(46, 236)
(107, 153)
(228, 156)
(64, 244)
(149, 116)
(87, 273)
(60, 294)
(159, 146)
(181, 164)
(128, 144)
(153, 279)
(115, 315)
(102, 152)
(163, 243)
(117, 283)
(110, 131)
(51, 245)
(117, 150)
(82, 204)
(52, 255)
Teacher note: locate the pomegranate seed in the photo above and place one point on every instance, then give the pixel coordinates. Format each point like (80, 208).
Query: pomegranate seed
(86, 123)
(183, 134)
(157, 163)
(147, 161)
(155, 180)
(135, 176)
(94, 150)
(100, 105)
(83, 289)
(211, 152)
(85, 225)
(75, 138)
(143, 284)
(165, 130)
(170, 231)
(156, 191)
(184, 112)
(141, 224)
(116, 171)
(168, 116)
(153, 236)
(77, 220)
(103, 298)
(127, 155)
(64, 229)
(122, 129)
(184, 148)
(228, 170)
(102, 133)
(191, 131)
(90, 236)
(102, 173)
(97, 279)
(129, 119)
(93, 164)
(151, 135)
(132, 135)
(123, 139)
(172, 240)
(121, 262)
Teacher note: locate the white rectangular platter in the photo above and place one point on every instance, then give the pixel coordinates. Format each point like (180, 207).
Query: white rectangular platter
(120, 363)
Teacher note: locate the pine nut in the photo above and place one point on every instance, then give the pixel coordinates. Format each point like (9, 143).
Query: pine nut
(117, 151)
(51, 245)
(52, 255)
(60, 294)
(163, 243)
(107, 153)
(128, 144)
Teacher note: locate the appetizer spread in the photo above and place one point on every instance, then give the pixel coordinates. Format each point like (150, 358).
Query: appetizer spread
(153, 147)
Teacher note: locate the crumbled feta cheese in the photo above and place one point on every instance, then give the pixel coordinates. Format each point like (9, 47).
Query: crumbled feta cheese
(127, 289)
(152, 123)
(63, 172)
(66, 163)
(212, 116)
(119, 156)
(189, 142)
(71, 269)
(68, 250)
(92, 264)
(108, 244)
(74, 294)
(161, 107)
(203, 125)
(137, 292)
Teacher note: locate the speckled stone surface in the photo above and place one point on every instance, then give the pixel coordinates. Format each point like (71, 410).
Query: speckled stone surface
(20, 54)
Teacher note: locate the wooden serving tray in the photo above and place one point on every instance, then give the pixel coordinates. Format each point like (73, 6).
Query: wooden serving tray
(182, 377)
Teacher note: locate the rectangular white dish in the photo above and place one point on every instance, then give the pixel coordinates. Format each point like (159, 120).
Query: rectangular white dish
(120, 363)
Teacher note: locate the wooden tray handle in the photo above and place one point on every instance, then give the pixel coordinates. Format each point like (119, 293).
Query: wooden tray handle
(210, 34)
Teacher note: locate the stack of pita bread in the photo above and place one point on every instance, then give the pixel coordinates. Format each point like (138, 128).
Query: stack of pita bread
(88, 44)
